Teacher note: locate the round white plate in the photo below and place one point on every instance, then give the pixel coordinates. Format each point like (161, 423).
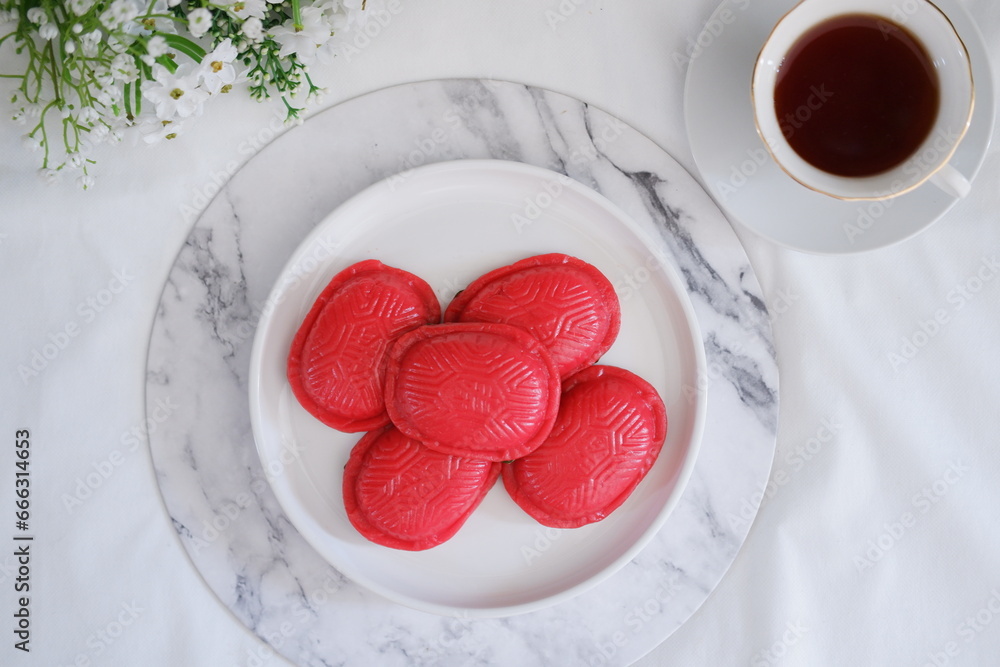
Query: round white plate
(752, 188)
(449, 223)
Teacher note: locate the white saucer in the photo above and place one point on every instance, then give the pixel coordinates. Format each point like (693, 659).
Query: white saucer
(749, 185)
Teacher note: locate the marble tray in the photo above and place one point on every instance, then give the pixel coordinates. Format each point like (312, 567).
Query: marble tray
(215, 489)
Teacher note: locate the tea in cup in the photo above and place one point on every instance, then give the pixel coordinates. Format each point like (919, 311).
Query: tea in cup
(865, 99)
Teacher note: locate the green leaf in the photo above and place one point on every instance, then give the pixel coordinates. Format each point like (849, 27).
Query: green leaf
(168, 63)
(185, 46)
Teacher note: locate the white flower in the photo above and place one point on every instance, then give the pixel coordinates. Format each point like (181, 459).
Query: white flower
(216, 69)
(19, 117)
(6, 16)
(37, 16)
(252, 29)
(80, 7)
(89, 43)
(119, 12)
(199, 21)
(49, 32)
(244, 9)
(98, 133)
(304, 43)
(75, 159)
(175, 94)
(85, 181)
(123, 68)
(87, 115)
(48, 175)
(31, 143)
(69, 47)
(154, 133)
(173, 3)
(156, 46)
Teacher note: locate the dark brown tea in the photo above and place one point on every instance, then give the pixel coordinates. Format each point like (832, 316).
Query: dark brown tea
(856, 95)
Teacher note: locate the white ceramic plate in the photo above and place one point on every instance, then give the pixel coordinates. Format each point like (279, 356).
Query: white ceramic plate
(750, 186)
(449, 223)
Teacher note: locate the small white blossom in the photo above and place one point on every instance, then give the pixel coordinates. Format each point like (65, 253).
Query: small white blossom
(75, 159)
(98, 133)
(48, 175)
(154, 133)
(48, 32)
(216, 69)
(90, 42)
(173, 3)
(199, 21)
(118, 13)
(304, 43)
(123, 68)
(31, 143)
(69, 47)
(156, 46)
(37, 16)
(174, 94)
(252, 29)
(7, 16)
(85, 181)
(244, 9)
(80, 7)
(87, 115)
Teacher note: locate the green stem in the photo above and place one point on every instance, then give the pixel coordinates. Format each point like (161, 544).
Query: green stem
(55, 75)
(296, 16)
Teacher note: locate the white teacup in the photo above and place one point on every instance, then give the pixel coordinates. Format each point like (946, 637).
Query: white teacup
(929, 161)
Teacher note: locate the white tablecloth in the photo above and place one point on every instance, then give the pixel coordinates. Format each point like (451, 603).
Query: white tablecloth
(879, 539)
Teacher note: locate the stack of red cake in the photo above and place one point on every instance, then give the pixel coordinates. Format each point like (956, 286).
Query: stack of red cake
(505, 385)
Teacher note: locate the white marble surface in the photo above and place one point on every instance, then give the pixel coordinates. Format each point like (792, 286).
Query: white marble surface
(885, 417)
(215, 490)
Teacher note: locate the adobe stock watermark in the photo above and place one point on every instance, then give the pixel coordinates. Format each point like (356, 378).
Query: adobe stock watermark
(563, 12)
(429, 145)
(744, 171)
(776, 652)
(131, 440)
(250, 146)
(361, 37)
(971, 627)
(868, 214)
(225, 515)
(600, 141)
(300, 614)
(455, 630)
(105, 637)
(535, 205)
(780, 304)
(710, 32)
(957, 298)
(634, 620)
(793, 462)
(544, 538)
(922, 502)
(87, 311)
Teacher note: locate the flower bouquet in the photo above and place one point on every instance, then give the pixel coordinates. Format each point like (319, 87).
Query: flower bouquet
(91, 71)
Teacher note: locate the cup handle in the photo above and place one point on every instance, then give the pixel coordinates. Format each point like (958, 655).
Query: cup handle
(951, 181)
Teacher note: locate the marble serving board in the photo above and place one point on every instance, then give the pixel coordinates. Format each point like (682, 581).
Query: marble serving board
(212, 481)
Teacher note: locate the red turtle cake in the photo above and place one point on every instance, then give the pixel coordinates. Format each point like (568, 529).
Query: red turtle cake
(479, 390)
(401, 494)
(336, 365)
(610, 429)
(566, 303)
